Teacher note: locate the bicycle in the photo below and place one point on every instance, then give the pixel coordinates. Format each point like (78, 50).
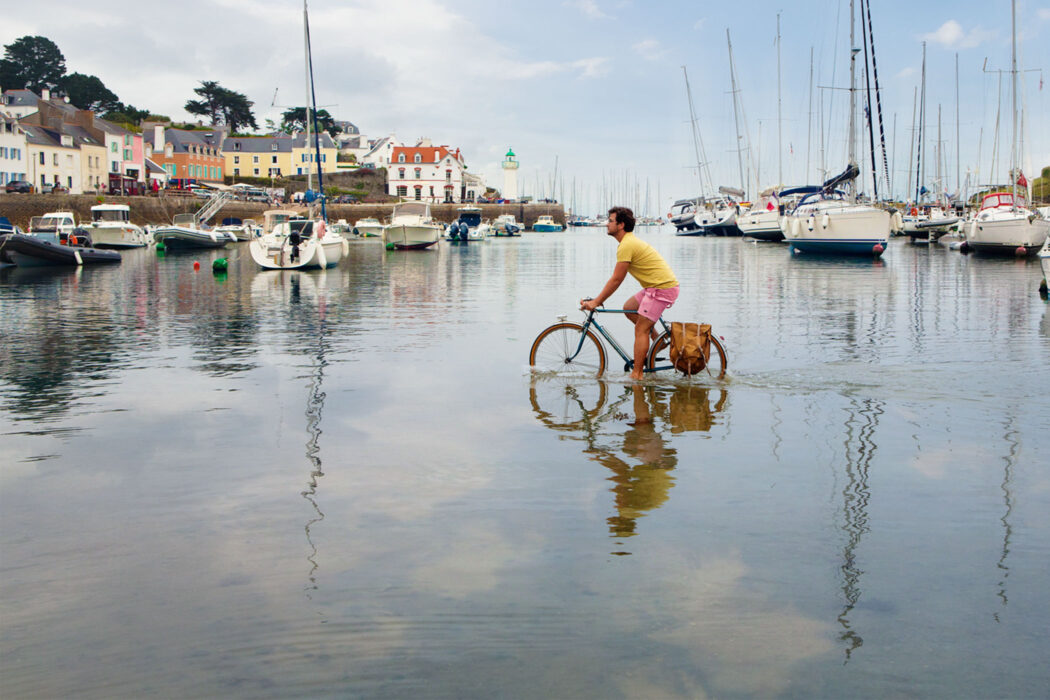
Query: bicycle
(569, 345)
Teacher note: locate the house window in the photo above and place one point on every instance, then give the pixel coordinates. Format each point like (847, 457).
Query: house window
(400, 173)
(448, 176)
(114, 166)
(69, 183)
(236, 171)
(273, 159)
(256, 171)
(419, 192)
(236, 145)
(402, 191)
(401, 158)
(418, 158)
(255, 159)
(127, 139)
(273, 146)
(419, 173)
(54, 158)
(431, 190)
(113, 146)
(42, 161)
(127, 154)
(236, 160)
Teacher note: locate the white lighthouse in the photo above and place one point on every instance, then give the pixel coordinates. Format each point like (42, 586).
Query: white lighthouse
(510, 176)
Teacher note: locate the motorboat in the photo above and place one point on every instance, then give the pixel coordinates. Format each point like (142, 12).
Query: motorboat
(111, 227)
(242, 229)
(6, 229)
(297, 244)
(411, 227)
(468, 227)
(546, 224)
(44, 249)
(762, 219)
(683, 214)
(506, 225)
(927, 224)
(342, 228)
(369, 227)
(1004, 225)
(719, 218)
(57, 223)
(185, 233)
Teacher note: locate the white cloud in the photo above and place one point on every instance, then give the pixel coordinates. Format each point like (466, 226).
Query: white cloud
(951, 35)
(1043, 13)
(649, 49)
(592, 67)
(699, 24)
(589, 8)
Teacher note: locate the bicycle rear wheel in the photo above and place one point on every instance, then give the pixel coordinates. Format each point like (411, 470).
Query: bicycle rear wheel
(660, 352)
(555, 350)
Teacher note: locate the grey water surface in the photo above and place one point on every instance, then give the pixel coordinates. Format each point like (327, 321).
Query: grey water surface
(347, 483)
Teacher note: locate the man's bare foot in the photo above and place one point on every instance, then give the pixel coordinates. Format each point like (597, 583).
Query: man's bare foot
(637, 376)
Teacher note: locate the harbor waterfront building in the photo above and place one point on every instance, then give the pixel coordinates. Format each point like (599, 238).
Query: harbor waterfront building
(428, 173)
(187, 156)
(510, 175)
(13, 152)
(54, 159)
(277, 155)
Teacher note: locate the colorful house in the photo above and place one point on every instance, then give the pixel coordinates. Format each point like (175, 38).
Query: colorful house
(428, 173)
(187, 156)
(278, 155)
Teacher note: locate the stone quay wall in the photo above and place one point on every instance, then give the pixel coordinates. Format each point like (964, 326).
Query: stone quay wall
(20, 208)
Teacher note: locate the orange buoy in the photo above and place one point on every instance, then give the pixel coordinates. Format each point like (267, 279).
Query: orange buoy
(196, 266)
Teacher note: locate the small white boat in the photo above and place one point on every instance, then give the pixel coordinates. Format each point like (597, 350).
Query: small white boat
(1005, 226)
(506, 225)
(927, 224)
(298, 244)
(111, 227)
(411, 227)
(342, 228)
(241, 229)
(186, 233)
(762, 220)
(56, 223)
(369, 228)
(468, 227)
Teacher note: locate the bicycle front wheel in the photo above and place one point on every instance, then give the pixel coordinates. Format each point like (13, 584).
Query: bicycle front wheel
(566, 347)
(660, 353)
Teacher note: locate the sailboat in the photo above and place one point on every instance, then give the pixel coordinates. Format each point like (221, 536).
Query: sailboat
(302, 243)
(832, 221)
(1005, 225)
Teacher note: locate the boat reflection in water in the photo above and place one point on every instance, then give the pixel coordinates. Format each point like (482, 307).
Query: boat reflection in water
(643, 456)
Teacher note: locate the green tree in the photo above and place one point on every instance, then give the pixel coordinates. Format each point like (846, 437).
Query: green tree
(126, 114)
(222, 106)
(32, 62)
(294, 119)
(88, 92)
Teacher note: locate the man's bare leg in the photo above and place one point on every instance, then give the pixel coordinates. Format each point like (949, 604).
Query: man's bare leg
(632, 305)
(642, 328)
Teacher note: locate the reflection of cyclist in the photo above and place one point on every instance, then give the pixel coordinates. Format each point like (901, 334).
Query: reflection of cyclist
(659, 284)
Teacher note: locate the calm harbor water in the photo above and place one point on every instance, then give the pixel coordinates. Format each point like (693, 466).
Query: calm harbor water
(347, 483)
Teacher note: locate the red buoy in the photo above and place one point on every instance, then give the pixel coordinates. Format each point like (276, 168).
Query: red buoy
(878, 249)
(1020, 252)
(196, 266)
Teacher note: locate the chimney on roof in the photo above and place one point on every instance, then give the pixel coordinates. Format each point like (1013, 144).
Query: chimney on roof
(45, 94)
(158, 138)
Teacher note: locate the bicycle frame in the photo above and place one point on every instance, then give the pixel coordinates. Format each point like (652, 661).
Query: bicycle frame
(627, 359)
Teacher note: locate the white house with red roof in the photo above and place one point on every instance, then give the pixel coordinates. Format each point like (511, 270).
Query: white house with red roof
(429, 173)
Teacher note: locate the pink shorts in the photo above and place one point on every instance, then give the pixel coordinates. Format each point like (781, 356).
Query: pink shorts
(653, 302)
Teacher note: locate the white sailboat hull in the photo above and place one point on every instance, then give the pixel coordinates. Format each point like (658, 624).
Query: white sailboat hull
(763, 225)
(1007, 234)
(840, 229)
(274, 253)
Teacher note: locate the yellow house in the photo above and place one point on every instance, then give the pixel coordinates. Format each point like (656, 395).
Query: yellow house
(276, 156)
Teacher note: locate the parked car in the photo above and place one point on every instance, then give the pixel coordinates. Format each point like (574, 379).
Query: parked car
(20, 186)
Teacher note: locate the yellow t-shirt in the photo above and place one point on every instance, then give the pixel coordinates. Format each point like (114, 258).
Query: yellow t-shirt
(647, 266)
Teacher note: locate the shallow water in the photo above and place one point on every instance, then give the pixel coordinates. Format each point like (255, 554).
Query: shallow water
(347, 483)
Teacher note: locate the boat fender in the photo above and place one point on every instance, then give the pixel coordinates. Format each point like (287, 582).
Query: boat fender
(877, 249)
(321, 257)
(356, 232)
(76, 254)
(898, 221)
(825, 220)
(810, 223)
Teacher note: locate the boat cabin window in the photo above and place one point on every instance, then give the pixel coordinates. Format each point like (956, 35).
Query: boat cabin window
(305, 227)
(109, 215)
(997, 200)
(470, 218)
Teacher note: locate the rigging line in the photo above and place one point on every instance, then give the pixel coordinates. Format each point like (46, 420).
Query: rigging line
(867, 106)
(313, 98)
(922, 127)
(878, 101)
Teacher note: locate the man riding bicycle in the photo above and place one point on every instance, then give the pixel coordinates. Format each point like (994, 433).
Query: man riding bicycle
(659, 284)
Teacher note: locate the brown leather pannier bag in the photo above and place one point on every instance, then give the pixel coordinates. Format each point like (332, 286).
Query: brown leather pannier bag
(690, 346)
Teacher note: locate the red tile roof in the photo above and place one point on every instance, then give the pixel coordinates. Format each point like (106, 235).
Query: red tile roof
(426, 153)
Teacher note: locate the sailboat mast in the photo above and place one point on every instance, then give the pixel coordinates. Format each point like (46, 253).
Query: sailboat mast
(736, 116)
(958, 153)
(780, 128)
(911, 141)
(809, 123)
(852, 99)
(306, 83)
(692, 125)
(1013, 75)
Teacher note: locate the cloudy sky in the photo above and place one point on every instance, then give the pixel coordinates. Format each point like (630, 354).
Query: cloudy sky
(596, 85)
